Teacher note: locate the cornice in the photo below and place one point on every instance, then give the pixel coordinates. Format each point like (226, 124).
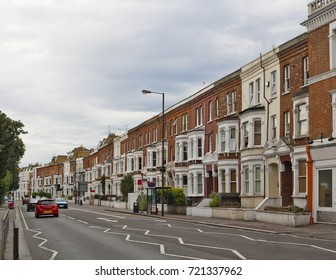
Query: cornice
(320, 18)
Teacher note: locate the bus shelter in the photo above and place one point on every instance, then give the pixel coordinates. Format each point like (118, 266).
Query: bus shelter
(153, 198)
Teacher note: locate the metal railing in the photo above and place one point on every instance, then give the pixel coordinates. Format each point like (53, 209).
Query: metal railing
(4, 233)
(318, 5)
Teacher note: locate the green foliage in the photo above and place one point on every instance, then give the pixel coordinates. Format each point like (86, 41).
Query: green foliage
(142, 202)
(214, 199)
(12, 150)
(126, 186)
(41, 194)
(175, 197)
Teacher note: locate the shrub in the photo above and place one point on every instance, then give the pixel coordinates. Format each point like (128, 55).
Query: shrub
(214, 199)
(175, 197)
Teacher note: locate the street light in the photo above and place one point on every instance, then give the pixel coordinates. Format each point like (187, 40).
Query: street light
(162, 157)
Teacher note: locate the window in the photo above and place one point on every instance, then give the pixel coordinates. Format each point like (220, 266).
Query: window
(302, 176)
(140, 163)
(245, 135)
(199, 147)
(305, 70)
(210, 111)
(223, 182)
(222, 140)
(257, 179)
(287, 124)
(171, 128)
(217, 106)
(233, 139)
(332, 44)
(197, 117)
(230, 102)
(246, 180)
(192, 148)
(287, 78)
(184, 122)
(333, 106)
(140, 141)
(251, 93)
(228, 105)
(325, 188)
(185, 151)
(154, 134)
(176, 125)
(210, 143)
(132, 164)
(177, 152)
(273, 127)
(201, 115)
(302, 119)
(184, 180)
(233, 101)
(257, 132)
(192, 183)
(273, 82)
(257, 91)
(233, 181)
(199, 183)
(154, 159)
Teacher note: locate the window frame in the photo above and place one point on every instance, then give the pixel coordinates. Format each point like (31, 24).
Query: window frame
(287, 78)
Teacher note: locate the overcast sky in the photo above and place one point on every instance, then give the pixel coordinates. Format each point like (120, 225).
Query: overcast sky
(73, 70)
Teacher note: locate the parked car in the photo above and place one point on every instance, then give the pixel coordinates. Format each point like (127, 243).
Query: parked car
(25, 200)
(10, 204)
(31, 205)
(46, 207)
(61, 202)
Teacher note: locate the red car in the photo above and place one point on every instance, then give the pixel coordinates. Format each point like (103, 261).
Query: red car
(46, 207)
(10, 204)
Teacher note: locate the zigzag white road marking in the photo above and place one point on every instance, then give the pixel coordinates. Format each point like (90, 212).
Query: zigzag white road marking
(36, 235)
(128, 236)
(37, 232)
(270, 241)
(198, 245)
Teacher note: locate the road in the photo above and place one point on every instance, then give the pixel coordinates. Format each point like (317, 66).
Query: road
(81, 233)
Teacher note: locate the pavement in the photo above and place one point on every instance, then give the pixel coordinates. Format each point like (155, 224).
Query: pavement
(316, 231)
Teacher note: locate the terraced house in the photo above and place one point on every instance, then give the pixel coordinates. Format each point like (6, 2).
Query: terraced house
(262, 135)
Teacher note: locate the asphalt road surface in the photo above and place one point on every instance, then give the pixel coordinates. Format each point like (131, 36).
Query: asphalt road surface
(85, 234)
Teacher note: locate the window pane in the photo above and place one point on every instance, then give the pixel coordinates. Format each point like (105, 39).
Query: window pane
(325, 188)
(302, 168)
(257, 132)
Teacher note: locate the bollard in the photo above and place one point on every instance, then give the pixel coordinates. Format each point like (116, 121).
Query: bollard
(16, 241)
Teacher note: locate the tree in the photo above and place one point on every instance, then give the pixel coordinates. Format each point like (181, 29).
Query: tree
(12, 150)
(126, 186)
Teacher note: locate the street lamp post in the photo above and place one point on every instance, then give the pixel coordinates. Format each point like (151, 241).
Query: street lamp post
(162, 157)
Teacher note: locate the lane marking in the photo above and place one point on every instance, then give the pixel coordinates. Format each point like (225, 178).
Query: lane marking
(107, 220)
(83, 222)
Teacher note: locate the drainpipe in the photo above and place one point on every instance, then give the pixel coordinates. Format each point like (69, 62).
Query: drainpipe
(310, 183)
(264, 96)
(268, 103)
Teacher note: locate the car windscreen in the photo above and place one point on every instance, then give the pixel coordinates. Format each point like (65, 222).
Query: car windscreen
(46, 202)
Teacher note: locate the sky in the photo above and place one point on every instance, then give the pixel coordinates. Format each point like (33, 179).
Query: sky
(72, 71)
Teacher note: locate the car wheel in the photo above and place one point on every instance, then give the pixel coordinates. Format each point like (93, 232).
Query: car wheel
(36, 216)
(56, 215)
